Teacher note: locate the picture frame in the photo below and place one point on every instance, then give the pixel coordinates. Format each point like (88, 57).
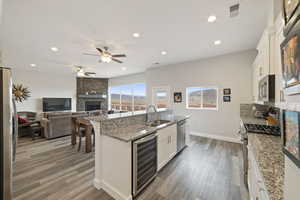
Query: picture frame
(291, 14)
(227, 98)
(290, 54)
(177, 97)
(227, 91)
(291, 135)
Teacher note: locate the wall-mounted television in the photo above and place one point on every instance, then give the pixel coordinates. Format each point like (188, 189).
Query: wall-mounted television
(57, 104)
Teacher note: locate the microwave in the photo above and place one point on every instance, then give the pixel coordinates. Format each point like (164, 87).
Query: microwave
(266, 88)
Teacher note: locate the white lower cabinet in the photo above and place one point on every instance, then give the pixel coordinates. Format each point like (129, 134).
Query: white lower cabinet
(257, 189)
(166, 145)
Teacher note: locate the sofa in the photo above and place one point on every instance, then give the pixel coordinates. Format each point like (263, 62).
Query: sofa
(58, 124)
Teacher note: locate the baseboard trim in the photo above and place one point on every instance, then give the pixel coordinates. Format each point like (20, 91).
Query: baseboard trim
(110, 190)
(217, 137)
(97, 184)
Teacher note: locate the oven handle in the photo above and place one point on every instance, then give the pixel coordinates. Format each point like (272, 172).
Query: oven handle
(146, 139)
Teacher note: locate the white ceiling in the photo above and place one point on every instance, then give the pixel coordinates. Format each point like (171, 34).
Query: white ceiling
(179, 27)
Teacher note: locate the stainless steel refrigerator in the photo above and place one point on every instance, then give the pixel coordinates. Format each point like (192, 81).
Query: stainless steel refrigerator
(8, 133)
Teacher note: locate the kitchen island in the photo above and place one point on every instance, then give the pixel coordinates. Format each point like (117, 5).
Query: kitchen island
(116, 143)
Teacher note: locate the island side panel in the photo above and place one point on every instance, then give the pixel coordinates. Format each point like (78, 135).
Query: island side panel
(98, 155)
(117, 168)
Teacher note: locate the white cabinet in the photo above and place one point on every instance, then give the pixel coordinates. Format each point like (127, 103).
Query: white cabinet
(265, 52)
(162, 148)
(264, 63)
(279, 37)
(257, 188)
(167, 145)
(255, 80)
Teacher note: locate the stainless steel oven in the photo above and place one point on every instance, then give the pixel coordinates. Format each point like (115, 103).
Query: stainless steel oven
(144, 162)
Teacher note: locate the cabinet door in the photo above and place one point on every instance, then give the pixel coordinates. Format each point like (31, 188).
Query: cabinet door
(173, 141)
(162, 149)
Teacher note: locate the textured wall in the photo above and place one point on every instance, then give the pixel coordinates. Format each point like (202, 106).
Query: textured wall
(84, 85)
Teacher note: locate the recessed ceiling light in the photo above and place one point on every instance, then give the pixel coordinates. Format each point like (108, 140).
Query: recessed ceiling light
(136, 35)
(163, 53)
(217, 42)
(212, 18)
(54, 49)
(33, 65)
(124, 68)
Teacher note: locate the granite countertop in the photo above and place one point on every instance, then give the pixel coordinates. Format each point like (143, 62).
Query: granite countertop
(267, 150)
(268, 154)
(137, 131)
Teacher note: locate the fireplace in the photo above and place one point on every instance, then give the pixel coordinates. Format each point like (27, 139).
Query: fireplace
(92, 105)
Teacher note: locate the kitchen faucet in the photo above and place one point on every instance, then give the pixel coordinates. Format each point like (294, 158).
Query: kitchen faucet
(147, 113)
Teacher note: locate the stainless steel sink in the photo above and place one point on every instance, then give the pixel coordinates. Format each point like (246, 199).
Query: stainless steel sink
(159, 122)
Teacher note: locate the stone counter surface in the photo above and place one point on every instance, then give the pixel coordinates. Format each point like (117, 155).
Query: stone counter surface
(270, 159)
(123, 129)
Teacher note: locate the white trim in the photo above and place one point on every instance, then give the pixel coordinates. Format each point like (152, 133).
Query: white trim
(217, 137)
(166, 89)
(110, 190)
(202, 108)
(97, 184)
(121, 94)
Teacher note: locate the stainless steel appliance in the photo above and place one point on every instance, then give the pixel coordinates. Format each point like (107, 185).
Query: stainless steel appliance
(267, 89)
(181, 135)
(8, 133)
(263, 129)
(144, 162)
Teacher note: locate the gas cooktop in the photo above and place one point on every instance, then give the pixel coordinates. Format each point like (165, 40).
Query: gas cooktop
(263, 129)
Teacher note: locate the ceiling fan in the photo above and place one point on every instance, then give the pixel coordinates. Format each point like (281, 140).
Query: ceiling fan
(80, 72)
(106, 56)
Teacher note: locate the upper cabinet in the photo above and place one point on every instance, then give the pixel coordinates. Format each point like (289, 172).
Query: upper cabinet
(268, 60)
(279, 38)
(265, 52)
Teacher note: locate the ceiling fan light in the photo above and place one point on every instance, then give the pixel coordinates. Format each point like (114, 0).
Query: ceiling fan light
(80, 73)
(106, 58)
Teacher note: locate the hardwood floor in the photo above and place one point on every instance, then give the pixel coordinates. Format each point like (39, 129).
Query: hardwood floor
(53, 170)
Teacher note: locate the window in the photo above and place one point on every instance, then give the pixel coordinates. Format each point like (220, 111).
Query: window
(161, 97)
(128, 97)
(202, 98)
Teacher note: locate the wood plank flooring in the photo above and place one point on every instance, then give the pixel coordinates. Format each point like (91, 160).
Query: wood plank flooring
(53, 170)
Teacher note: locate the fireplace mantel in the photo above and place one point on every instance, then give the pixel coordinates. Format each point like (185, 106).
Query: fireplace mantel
(93, 96)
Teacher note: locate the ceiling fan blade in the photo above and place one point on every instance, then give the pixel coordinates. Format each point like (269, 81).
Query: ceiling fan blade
(119, 55)
(90, 73)
(90, 54)
(116, 60)
(100, 50)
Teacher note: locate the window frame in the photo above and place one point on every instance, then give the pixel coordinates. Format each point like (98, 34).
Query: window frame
(202, 108)
(163, 88)
(132, 94)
